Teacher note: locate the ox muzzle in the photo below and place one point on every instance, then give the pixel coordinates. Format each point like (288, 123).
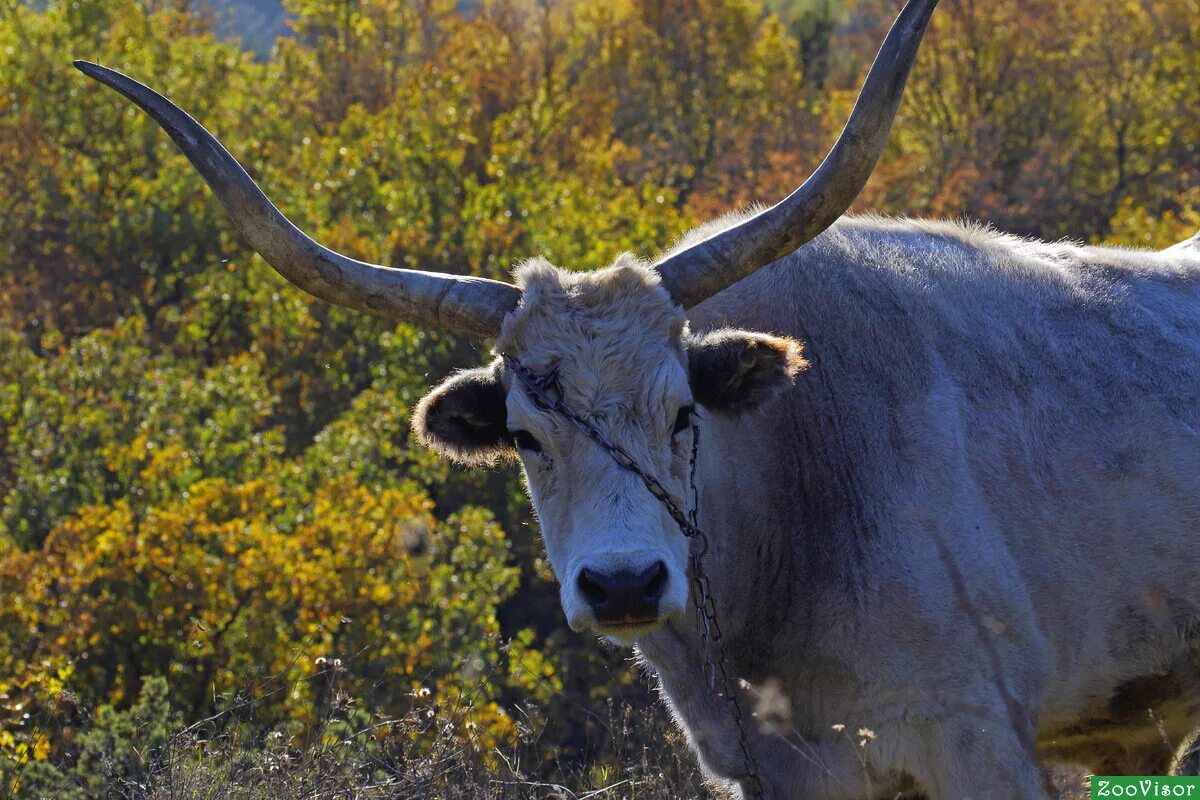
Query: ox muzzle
(625, 595)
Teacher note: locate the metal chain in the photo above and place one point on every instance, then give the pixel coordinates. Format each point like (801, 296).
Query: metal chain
(542, 387)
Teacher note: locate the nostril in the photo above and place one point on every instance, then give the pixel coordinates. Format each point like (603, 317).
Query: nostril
(591, 588)
(657, 585)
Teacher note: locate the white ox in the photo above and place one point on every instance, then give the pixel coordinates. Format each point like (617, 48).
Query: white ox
(965, 517)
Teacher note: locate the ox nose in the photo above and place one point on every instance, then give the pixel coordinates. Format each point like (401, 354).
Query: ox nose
(624, 597)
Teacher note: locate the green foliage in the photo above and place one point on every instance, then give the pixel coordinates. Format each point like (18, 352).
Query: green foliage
(1046, 117)
(812, 23)
(110, 419)
(209, 498)
(117, 751)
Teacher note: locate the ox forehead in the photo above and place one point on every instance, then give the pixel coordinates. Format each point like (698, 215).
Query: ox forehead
(614, 337)
(619, 346)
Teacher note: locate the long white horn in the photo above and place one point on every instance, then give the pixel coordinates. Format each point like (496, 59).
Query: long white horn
(707, 267)
(470, 305)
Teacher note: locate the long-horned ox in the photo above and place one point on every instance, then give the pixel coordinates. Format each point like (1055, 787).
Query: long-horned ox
(964, 516)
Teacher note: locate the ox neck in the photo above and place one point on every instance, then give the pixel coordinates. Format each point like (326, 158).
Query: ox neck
(743, 545)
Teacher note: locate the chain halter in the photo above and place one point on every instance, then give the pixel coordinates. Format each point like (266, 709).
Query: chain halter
(547, 394)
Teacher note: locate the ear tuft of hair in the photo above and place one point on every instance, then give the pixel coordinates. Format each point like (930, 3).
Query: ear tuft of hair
(732, 370)
(465, 420)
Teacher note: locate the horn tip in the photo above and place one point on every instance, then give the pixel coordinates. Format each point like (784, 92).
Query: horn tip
(113, 80)
(91, 69)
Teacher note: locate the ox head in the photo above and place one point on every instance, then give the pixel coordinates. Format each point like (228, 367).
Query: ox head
(613, 346)
(616, 342)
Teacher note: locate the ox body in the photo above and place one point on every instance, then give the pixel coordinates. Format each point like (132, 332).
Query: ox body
(970, 527)
(950, 479)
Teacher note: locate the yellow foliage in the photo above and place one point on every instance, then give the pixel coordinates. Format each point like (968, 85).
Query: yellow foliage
(225, 590)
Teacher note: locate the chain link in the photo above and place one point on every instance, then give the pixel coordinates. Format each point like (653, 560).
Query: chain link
(546, 393)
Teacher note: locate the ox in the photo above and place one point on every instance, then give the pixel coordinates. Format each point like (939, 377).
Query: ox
(950, 478)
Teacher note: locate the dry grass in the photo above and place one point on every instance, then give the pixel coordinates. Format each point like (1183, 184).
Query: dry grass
(649, 760)
(353, 753)
(358, 767)
(358, 754)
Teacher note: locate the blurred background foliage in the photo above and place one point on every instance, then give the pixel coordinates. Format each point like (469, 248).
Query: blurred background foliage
(209, 499)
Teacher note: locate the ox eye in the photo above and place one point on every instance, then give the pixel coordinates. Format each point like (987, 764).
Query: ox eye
(684, 420)
(524, 440)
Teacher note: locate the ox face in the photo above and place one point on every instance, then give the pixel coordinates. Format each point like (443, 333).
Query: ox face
(622, 357)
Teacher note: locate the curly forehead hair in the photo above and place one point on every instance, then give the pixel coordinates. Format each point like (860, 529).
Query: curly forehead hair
(621, 305)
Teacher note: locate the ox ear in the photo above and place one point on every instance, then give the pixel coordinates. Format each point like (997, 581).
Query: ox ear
(465, 419)
(732, 371)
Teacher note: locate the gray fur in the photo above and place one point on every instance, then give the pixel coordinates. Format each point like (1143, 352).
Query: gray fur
(972, 527)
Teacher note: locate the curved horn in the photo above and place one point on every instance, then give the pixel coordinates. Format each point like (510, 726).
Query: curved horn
(721, 260)
(470, 305)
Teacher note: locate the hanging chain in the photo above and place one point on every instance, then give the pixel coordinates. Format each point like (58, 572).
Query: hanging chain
(546, 393)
